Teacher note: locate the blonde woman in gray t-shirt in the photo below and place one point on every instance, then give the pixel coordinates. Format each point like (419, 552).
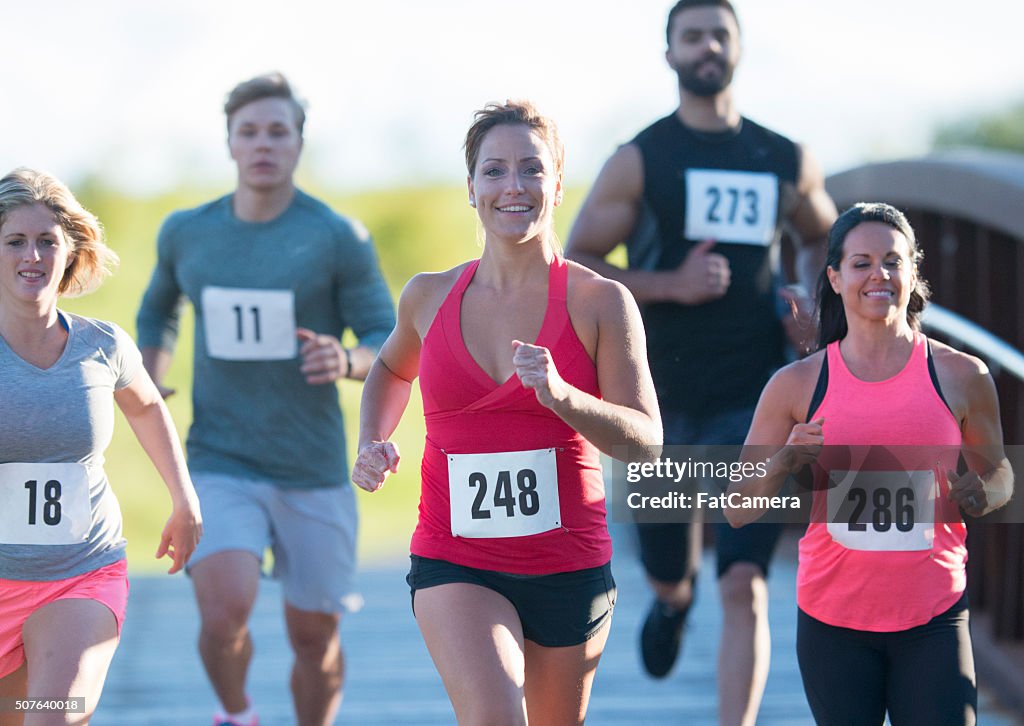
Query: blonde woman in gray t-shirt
(63, 581)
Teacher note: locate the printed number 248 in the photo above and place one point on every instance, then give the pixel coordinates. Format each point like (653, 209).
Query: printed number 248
(503, 496)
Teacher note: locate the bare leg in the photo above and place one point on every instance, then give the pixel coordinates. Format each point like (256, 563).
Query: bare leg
(319, 669)
(226, 584)
(13, 685)
(68, 648)
(745, 652)
(476, 641)
(558, 680)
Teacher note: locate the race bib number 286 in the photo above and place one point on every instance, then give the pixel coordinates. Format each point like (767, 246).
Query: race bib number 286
(506, 494)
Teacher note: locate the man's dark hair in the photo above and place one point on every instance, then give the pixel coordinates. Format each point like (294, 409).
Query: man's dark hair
(687, 4)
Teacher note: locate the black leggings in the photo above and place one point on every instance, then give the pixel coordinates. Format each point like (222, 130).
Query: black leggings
(922, 676)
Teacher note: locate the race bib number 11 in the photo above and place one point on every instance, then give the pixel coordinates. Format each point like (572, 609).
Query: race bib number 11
(731, 206)
(44, 504)
(243, 324)
(507, 494)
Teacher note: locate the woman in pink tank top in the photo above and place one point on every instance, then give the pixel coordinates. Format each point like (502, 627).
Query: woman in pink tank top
(882, 414)
(529, 365)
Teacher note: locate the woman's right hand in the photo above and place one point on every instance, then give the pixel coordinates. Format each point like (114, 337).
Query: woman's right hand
(803, 445)
(373, 465)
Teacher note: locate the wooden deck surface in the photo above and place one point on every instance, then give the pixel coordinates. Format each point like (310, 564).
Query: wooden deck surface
(157, 679)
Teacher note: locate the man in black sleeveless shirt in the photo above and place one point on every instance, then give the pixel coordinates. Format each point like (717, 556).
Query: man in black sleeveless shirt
(701, 198)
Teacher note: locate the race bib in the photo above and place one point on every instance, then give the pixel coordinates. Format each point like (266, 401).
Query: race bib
(243, 324)
(44, 504)
(882, 511)
(508, 494)
(738, 207)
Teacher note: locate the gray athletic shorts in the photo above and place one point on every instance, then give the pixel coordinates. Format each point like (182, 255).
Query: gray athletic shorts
(311, 533)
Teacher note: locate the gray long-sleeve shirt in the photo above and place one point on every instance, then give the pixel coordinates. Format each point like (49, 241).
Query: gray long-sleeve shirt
(250, 285)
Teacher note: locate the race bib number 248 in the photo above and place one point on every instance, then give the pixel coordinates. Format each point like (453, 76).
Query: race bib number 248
(505, 494)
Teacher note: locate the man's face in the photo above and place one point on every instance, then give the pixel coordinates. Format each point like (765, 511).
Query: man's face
(704, 48)
(264, 142)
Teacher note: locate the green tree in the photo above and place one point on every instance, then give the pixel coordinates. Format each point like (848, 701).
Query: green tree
(998, 130)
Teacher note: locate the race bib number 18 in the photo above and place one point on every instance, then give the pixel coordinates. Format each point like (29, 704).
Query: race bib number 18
(508, 494)
(243, 324)
(44, 504)
(731, 206)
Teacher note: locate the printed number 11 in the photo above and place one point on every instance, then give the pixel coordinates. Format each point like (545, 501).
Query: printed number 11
(239, 322)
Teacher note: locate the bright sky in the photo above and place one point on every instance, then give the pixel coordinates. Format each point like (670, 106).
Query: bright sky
(132, 91)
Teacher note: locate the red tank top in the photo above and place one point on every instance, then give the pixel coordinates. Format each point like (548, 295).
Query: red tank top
(506, 484)
(892, 567)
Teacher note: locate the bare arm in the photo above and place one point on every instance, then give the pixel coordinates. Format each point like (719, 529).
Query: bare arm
(627, 412)
(812, 217)
(610, 215)
(777, 428)
(143, 407)
(157, 362)
(389, 384)
(989, 483)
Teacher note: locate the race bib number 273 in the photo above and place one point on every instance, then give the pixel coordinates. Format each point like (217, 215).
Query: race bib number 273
(737, 207)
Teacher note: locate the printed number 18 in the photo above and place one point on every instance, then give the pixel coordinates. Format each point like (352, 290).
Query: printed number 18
(51, 506)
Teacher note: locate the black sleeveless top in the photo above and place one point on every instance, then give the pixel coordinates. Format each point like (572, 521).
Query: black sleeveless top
(726, 186)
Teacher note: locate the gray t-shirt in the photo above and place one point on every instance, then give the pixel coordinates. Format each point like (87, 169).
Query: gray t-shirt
(250, 285)
(63, 415)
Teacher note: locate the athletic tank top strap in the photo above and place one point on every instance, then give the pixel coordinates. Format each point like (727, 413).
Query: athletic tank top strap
(935, 376)
(819, 388)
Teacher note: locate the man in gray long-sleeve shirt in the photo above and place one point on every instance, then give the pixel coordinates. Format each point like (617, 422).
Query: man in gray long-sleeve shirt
(274, 277)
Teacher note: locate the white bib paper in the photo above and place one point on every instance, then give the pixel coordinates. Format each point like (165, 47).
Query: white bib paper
(44, 504)
(507, 494)
(738, 207)
(882, 511)
(243, 324)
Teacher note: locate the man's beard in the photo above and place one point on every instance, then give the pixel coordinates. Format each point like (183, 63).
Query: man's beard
(691, 80)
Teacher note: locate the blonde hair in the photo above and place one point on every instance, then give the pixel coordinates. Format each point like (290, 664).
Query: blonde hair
(91, 259)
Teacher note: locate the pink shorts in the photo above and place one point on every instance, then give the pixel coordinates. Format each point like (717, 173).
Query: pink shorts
(20, 598)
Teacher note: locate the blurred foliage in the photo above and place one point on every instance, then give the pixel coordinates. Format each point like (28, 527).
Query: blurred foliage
(1002, 130)
(414, 229)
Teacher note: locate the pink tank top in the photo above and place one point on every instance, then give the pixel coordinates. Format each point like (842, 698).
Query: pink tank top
(506, 484)
(883, 559)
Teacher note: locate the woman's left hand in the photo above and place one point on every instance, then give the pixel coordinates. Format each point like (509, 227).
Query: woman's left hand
(536, 369)
(968, 492)
(181, 533)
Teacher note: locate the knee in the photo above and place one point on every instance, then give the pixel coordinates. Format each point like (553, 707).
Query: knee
(320, 647)
(226, 619)
(495, 712)
(742, 588)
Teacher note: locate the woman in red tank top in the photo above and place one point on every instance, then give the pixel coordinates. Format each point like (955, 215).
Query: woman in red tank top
(882, 414)
(510, 574)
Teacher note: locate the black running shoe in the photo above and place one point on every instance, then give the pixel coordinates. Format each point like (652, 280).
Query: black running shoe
(661, 637)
